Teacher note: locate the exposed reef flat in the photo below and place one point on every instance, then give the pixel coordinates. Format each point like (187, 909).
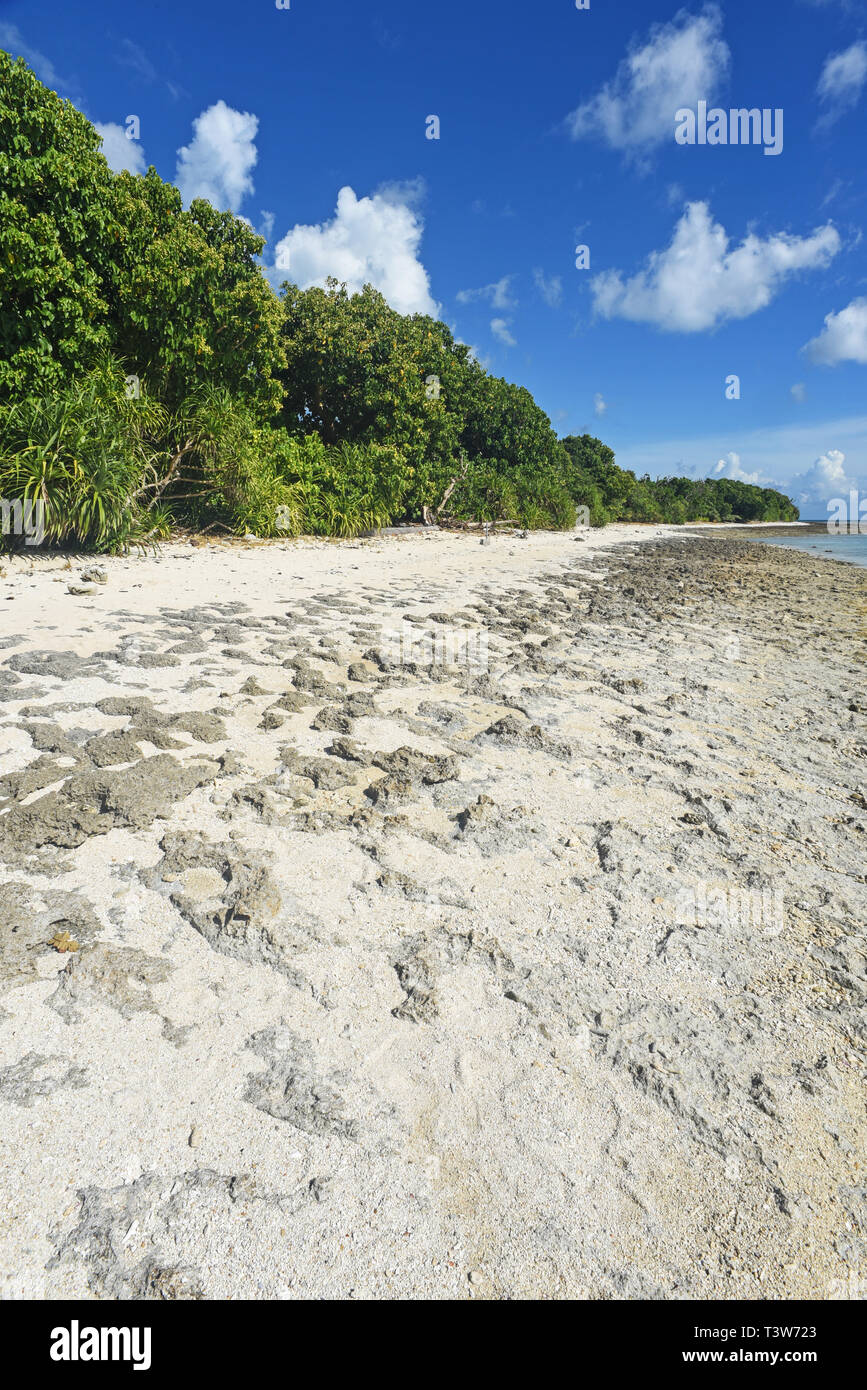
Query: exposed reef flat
(412, 918)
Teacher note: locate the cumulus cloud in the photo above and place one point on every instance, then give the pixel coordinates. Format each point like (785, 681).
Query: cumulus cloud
(730, 467)
(500, 329)
(813, 489)
(373, 240)
(697, 282)
(600, 405)
(549, 287)
(120, 152)
(498, 294)
(844, 337)
(842, 82)
(218, 161)
(679, 63)
(799, 392)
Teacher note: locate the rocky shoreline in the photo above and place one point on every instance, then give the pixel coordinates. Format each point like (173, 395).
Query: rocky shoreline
(410, 919)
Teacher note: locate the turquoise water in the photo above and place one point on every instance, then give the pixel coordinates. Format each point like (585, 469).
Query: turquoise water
(844, 547)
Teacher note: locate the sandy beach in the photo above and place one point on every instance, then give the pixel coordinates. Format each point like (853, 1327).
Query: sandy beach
(415, 918)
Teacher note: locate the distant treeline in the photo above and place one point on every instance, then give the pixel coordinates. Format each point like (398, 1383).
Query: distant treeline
(151, 378)
(615, 494)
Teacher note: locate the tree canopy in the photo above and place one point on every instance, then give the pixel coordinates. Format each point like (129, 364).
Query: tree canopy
(56, 227)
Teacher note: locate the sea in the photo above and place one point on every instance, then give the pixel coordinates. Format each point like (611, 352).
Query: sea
(817, 540)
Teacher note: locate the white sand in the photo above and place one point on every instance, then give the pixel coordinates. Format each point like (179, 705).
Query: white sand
(435, 1045)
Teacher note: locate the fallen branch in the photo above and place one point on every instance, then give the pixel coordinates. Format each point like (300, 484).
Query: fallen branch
(453, 482)
(159, 485)
(454, 523)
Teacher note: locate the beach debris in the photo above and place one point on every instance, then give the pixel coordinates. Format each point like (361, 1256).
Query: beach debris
(62, 942)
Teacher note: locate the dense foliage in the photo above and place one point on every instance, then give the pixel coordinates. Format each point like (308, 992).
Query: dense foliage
(150, 377)
(615, 494)
(55, 230)
(360, 373)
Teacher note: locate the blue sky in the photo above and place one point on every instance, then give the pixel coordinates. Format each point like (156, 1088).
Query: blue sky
(557, 129)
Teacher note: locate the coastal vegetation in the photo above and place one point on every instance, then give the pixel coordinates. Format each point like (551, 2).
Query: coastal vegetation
(151, 378)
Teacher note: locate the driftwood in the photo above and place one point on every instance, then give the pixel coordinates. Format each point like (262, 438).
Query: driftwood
(458, 478)
(159, 485)
(448, 522)
(434, 519)
(455, 523)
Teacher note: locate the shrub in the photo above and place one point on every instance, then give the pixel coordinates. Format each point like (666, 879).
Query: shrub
(221, 466)
(347, 489)
(544, 503)
(82, 452)
(486, 494)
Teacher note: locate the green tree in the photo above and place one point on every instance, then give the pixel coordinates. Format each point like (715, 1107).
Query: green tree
(57, 226)
(357, 372)
(188, 303)
(593, 474)
(503, 422)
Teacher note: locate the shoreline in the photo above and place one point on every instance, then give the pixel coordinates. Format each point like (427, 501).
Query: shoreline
(254, 567)
(534, 976)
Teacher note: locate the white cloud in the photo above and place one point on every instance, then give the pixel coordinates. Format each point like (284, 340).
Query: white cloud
(120, 152)
(409, 193)
(697, 283)
(680, 63)
(500, 329)
(373, 240)
(217, 163)
(599, 404)
(799, 392)
(14, 42)
(842, 82)
(549, 287)
(827, 478)
(266, 224)
(844, 337)
(833, 192)
(132, 55)
(730, 467)
(497, 294)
